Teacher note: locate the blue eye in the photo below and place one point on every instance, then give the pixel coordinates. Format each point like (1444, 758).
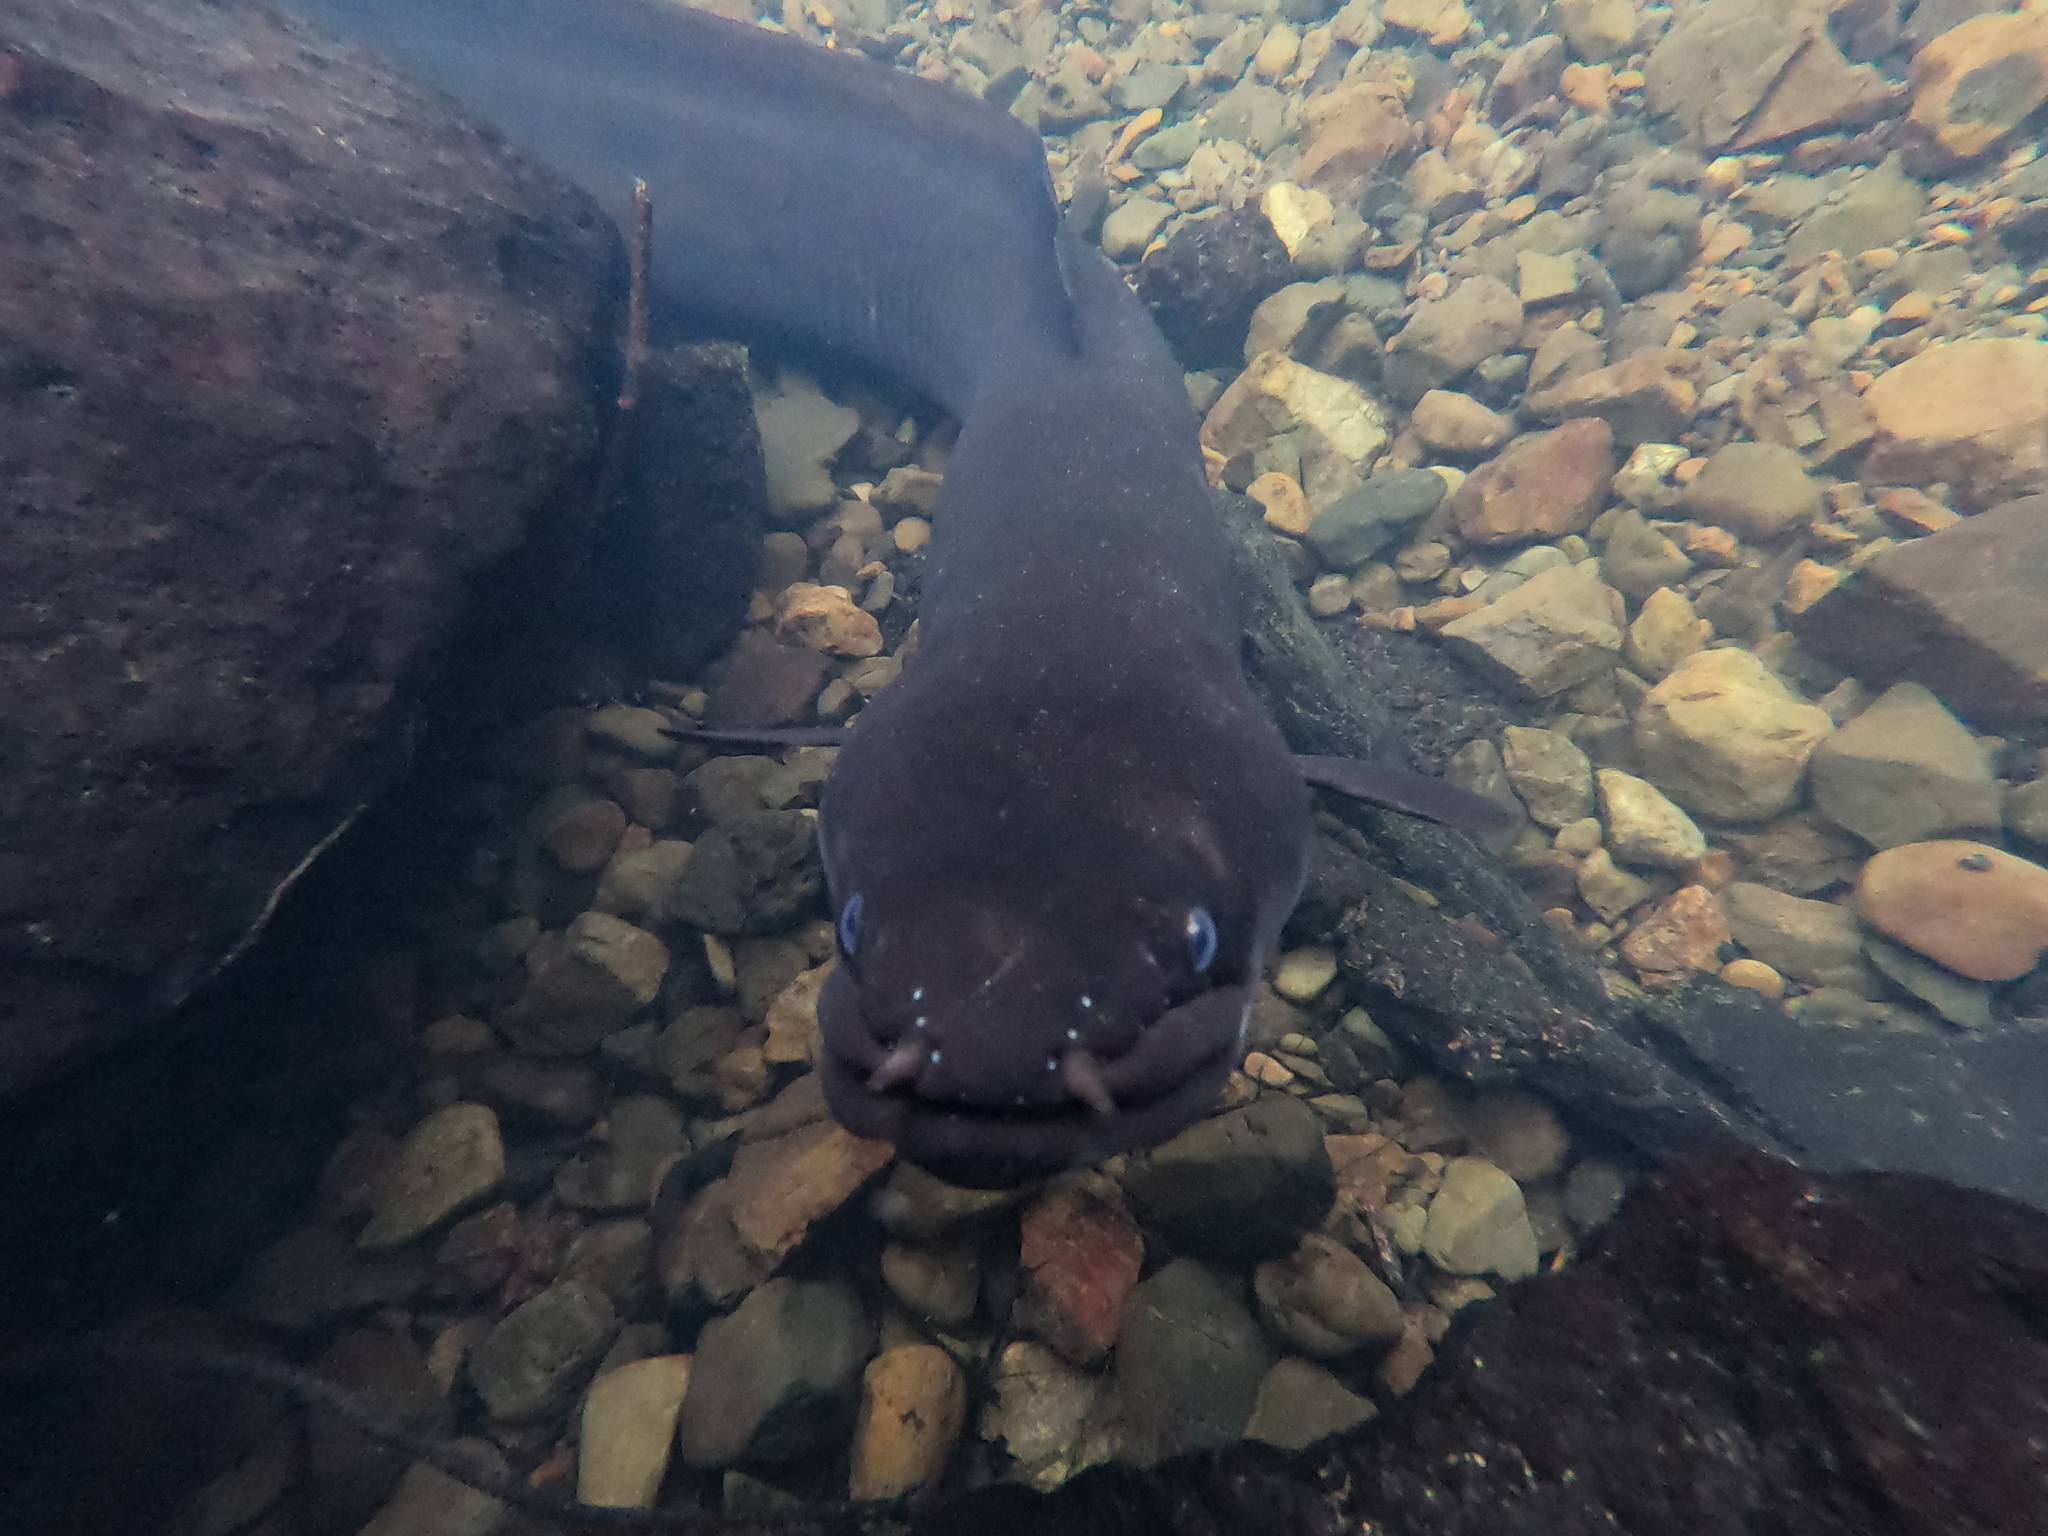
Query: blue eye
(1201, 936)
(849, 926)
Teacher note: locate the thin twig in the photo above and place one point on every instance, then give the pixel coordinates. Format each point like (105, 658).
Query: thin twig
(639, 239)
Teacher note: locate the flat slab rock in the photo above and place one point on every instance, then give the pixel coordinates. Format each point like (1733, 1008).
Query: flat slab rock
(1963, 612)
(292, 354)
(1747, 1348)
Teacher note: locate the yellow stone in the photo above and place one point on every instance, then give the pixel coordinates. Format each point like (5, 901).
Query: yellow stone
(1287, 508)
(1294, 211)
(913, 1403)
(1754, 976)
(628, 1430)
(1809, 582)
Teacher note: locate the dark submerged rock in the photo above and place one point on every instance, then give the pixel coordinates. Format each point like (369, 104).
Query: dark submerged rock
(292, 357)
(1205, 281)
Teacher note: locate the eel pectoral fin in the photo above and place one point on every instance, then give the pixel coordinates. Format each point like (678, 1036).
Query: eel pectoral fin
(1412, 794)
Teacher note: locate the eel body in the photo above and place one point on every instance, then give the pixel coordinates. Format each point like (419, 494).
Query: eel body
(1061, 847)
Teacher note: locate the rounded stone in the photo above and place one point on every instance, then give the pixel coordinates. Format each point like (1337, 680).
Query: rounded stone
(913, 1402)
(1478, 1224)
(1724, 738)
(1976, 909)
(453, 1160)
(1753, 976)
(1756, 490)
(628, 1430)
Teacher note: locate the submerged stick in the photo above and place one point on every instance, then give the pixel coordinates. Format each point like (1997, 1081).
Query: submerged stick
(639, 241)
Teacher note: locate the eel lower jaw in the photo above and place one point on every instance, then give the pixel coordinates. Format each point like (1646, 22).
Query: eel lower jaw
(978, 1148)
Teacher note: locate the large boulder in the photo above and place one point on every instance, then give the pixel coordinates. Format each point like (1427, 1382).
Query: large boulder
(289, 356)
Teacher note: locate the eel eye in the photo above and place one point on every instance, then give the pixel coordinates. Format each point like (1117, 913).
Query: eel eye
(1201, 937)
(849, 926)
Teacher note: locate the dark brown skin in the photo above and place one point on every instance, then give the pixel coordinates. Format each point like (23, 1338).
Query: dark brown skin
(1062, 845)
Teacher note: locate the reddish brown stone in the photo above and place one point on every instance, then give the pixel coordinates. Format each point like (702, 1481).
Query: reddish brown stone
(1351, 132)
(1684, 932)
(1083, 1252)
(762, 682)
(1541, 487)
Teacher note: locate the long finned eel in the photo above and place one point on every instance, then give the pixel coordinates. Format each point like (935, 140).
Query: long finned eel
(1061, 846)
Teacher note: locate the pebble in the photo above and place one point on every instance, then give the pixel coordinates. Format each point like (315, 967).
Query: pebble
(1443, 22)
(591, 979)
(2026, 810)
(1665, 634)
(1452, 423)
(1754, 976)
(1286, 506)
(1132, 226)
(1643, 825)
(1597, 29)
(1478, 1224)
(1972, 413)
(1878, 208)
(754, 873)
(1685, 932)
(1445, 337)
(1976, 909)
(1551, 775)
(1756, 490)
(1300, 975)
(1082, 1254)
(628, 1431)
(939, 1282)
(780, 1185)
(1557, 629)
(1643, 399)
(1349, 133)
(533, 1361)
(1904, 771)
(1979, 80)
(1580, 837)
(1359, 524)
(1959, 611)
(1324, 1300)
(1295, 317)
(1724, 738)
(1964, 1003)
(1342, 424)
(913, 1404)
(1592, 1193)
(1817, 942)
(1189, 1366)
(637, 884)
(1540, 486)
(642, 1134)
(1237, 1187)
(778, 1378)
(826, 619)
(1517, 1133)
(582, 836)
(1638, 560)
(452, 1160)
(1300, 1403)
(1607, 888)
(1037, 1411)
(801, 435)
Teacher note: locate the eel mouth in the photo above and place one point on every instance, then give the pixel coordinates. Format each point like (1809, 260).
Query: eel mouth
(982, 1148)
